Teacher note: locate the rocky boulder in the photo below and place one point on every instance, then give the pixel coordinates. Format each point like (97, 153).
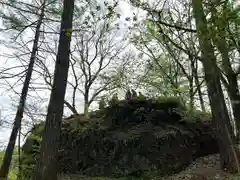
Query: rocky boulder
(127, 138)
(133, 150)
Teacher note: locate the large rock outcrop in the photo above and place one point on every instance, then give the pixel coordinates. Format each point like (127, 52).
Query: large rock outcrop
(97, 148)
(132, 150)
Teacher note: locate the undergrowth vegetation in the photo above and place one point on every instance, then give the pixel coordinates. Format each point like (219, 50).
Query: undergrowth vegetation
(14, 165)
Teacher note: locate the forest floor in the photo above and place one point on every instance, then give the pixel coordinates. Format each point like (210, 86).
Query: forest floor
(205, 168)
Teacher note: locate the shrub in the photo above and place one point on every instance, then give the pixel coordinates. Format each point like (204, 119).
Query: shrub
(162, 109)
(30, 151)
(12, 175)
(170, 102)
(165, 109)
(196, 116)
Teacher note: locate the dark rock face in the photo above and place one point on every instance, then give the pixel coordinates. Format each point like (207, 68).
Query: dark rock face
(167, 149)
(145, 135)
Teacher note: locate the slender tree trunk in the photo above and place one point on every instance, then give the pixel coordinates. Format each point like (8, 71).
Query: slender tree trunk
(199, 93)
(86, 110)
(228, 152)
(86, 104)
(191, 80)
(47, 163)
(197, 83)
(232, 86)
(71, 107)
(18, 117)
(191, 94)
(201, 99)
(19, 156)
(233, 93)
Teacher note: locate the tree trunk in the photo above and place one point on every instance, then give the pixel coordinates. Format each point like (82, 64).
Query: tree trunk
(233, 92)
(191, 95)
(18, 117)
(86, 104)
(47, 163)
(19, 176)
(197, 83)
(232, 86)
(191, 80)
(70, 107)
(86, 110)
(228, 152)
(200, 93)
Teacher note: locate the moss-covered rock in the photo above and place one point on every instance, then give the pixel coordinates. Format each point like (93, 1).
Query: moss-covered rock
(136, 149)
(30, 151)
(95, 148)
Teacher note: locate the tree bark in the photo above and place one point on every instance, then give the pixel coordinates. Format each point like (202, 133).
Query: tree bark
(18, 117)
(47, 163)
(198, 86)
(232, 87)
(86, 102)
(197, 83)
(233, 92)
(86, 110)
(191, 80)
(228, 152)
(72, 108)
(191, 95)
